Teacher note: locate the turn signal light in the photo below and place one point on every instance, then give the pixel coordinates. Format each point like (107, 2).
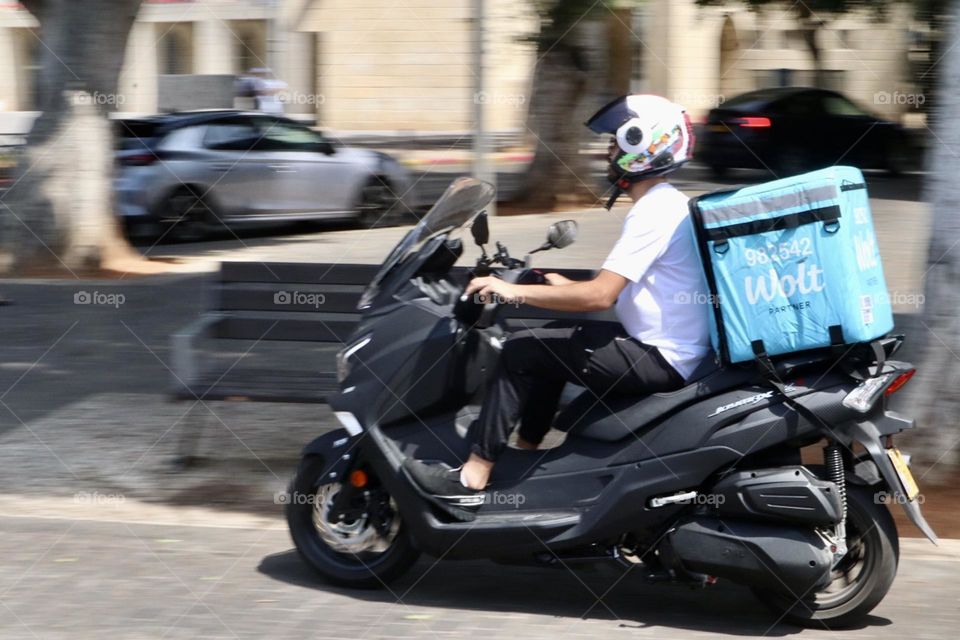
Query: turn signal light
(358, 478)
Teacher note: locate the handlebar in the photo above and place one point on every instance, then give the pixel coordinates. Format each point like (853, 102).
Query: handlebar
(474, 312)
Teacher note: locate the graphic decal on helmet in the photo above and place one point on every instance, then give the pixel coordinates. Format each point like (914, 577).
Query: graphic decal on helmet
(672, 142)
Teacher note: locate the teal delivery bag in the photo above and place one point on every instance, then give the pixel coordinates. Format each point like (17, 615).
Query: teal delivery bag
(792, 265)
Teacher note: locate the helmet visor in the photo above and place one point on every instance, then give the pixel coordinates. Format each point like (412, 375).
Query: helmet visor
(609, 118)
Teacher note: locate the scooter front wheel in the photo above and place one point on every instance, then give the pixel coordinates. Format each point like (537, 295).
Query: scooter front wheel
(366, 550)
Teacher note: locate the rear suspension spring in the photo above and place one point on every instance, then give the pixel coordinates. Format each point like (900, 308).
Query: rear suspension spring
(833, 457)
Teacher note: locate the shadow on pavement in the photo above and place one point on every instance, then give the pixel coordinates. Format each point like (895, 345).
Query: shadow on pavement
(593, 593)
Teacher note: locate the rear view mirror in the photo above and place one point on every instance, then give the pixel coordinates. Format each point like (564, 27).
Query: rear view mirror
(480, 230)
(562, 234)
(559, 235)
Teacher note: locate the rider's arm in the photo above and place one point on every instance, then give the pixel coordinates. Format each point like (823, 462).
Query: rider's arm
(642, 242)
(590, 295)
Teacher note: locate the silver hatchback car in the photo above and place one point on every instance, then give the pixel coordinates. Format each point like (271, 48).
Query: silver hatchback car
(185, 174)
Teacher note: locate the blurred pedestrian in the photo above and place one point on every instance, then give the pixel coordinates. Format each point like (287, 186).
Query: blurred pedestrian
(267, 90)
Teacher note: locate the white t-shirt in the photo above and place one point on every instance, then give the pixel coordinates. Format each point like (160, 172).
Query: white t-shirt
(665, 303)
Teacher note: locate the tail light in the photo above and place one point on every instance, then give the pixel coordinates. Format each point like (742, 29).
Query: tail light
(899, 381)
(868, 392)
(753, 122)
(138, 159)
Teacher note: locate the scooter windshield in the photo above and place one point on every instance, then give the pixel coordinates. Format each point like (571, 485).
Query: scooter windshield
(460, 203)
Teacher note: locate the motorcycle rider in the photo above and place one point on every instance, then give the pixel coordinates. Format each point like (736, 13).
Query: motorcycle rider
(652, 274)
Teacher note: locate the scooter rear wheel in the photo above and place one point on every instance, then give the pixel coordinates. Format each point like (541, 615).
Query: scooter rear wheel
(859, 581)
(367, 551)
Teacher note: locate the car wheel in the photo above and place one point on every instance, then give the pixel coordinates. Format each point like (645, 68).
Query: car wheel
(377, 204)
(896, 156)
(186, 215)
(141, 230)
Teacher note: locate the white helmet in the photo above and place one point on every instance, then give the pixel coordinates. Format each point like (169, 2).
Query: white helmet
(653, 135)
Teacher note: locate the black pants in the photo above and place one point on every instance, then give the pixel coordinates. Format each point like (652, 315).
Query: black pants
(537, 363)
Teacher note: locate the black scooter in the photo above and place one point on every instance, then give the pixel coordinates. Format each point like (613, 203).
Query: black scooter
(695, 485)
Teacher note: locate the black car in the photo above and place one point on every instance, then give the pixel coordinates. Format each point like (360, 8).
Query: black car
(792, 130)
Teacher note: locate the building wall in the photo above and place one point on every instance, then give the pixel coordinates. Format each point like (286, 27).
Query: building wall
(407, 66)
(388, 65)
(17, 42)
(700, 56)
(10, 84)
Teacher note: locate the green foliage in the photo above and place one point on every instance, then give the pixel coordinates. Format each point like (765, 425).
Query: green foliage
(558, 17)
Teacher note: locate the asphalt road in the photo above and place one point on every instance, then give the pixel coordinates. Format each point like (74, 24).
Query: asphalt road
(900, 216)
(135, 572)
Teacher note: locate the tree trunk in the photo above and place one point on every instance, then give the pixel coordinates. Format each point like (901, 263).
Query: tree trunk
(619, 51)
(810, 27)
(557, 166)
(564, 76)
(59, 210)
(934, 395)
(810, 39)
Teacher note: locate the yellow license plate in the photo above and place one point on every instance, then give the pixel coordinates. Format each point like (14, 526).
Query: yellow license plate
(716, 128)
(903, 471)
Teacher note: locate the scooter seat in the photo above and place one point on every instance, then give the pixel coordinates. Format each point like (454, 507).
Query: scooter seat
(613, 417)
